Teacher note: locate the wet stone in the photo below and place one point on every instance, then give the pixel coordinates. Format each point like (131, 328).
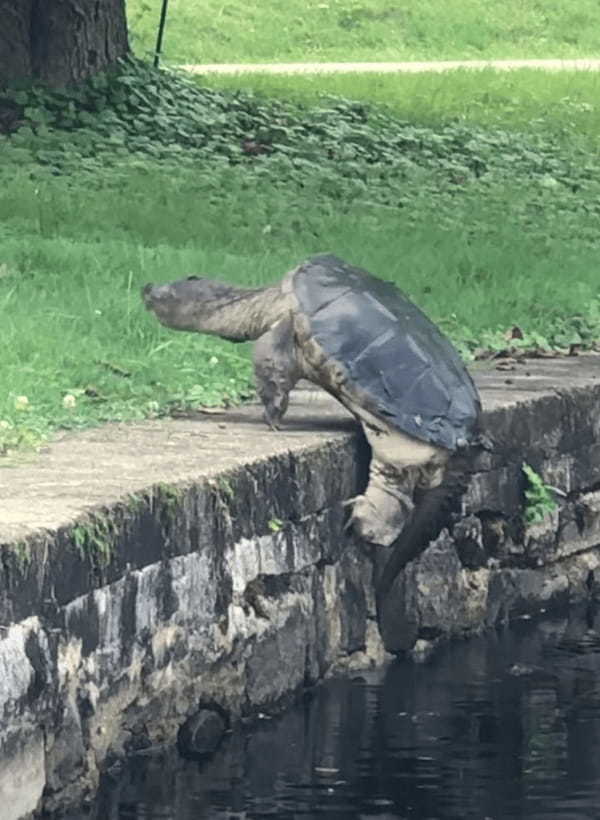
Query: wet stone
(201, 733)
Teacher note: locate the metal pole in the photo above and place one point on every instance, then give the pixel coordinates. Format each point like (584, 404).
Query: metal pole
(161, 31)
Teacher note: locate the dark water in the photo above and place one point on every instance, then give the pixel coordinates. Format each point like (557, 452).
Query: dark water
(500, 727)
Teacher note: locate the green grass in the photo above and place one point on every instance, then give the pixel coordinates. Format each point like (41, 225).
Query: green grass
(346, 30)
(565, 103)
(145, 178)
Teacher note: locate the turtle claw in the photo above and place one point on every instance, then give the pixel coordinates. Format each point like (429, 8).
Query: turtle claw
(348, 525)
(484, 441)
(349, 501)
(351, 522)
(272, 421)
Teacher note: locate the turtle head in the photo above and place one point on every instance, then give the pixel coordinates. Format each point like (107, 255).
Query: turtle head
(190, 304)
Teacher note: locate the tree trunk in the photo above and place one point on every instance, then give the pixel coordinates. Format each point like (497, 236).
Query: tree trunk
(59, 42)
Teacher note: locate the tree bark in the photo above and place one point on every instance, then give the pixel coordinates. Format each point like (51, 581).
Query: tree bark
(15, 53)
(59, 42)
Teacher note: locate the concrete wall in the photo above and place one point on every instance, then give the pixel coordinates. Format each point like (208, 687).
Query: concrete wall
(215, 577)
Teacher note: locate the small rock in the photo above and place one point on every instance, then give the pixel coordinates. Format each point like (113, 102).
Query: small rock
(422, 650)
(518, 670)
(468, 537)
(115, 769)
(201, 734)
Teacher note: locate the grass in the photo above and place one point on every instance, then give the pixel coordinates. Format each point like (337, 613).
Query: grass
(564, 104)
(146, 178)
(346, 30)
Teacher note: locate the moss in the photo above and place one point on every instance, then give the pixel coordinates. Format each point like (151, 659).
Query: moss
(225, 486)
(95, 538)
(167, 499)
(22, 554)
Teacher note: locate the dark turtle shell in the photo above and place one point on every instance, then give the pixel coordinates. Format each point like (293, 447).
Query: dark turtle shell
(410, 373)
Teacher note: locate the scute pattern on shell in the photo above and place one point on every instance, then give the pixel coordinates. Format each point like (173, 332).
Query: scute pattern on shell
(409, 372)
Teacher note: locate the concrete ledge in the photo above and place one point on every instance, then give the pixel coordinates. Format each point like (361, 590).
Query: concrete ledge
(150, 570)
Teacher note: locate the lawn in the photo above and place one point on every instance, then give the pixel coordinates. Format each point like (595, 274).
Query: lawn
(564, 104)
(486, 220)
(347, 30)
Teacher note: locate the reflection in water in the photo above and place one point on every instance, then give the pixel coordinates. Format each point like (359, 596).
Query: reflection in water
(498, 727)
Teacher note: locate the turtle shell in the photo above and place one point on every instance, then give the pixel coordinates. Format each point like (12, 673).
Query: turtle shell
(403, 367)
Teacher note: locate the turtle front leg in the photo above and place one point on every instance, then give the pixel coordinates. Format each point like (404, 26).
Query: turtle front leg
(276, 369)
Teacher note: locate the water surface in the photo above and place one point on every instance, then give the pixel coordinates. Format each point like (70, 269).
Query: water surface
(500, 727)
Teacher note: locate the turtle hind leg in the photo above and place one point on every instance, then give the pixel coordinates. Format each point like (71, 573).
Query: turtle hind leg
(381, 512)
(398, 464)
(276, 369)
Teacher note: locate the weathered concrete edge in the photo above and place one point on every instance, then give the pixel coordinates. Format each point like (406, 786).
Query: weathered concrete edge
(48, 568)
(102, 467)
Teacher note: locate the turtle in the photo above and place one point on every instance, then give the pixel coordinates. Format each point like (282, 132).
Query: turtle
(367, 344)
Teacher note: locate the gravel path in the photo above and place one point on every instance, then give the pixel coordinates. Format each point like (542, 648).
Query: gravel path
(391, 68)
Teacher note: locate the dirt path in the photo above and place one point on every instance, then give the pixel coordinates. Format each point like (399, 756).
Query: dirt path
(591, 64)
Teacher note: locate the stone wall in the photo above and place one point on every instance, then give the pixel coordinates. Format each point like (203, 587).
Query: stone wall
(231, 589)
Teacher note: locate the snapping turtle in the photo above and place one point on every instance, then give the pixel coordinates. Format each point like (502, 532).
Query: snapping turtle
(370, 347)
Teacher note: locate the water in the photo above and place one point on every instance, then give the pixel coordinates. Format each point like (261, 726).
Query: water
(499, 727)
